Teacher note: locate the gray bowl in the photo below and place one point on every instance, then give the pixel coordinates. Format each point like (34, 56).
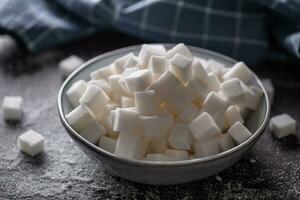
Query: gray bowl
(162, 173)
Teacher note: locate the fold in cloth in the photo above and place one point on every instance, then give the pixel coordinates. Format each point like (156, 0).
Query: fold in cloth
(249, 30)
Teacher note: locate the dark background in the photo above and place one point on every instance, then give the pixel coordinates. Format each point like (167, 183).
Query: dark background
(271, 170)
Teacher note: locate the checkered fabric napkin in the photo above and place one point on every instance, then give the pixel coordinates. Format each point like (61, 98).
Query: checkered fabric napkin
(249, 30)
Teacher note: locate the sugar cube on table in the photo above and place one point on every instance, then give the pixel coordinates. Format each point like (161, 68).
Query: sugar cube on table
(177, 154)
(107, 144)
(69, 64)
(239, 132)
(76, 91)
(93, 132)
(94, 99)
(204, 126)
(101, 83)
(232, 115)
(146, 102)
(126, 120)
(181, 67)
(158, 65)
(179, 49)
(240, 71)
(283, 125)
(268, 85)
(232, 89)
(225, 142)
(12, 107)
(138, 80)
(79, 118)
(147, 51)
(207, 147)
(103, 72)
(31, 143)
(180, 137)
(158, 157)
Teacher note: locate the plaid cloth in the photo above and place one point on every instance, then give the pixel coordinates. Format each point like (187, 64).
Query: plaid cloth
(249, 30)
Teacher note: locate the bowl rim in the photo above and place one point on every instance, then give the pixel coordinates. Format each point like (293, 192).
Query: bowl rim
(136, 162)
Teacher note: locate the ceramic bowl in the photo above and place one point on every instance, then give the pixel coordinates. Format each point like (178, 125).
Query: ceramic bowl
(162, 173)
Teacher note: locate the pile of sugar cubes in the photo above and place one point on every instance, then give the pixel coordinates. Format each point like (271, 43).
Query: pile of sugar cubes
(164, 105)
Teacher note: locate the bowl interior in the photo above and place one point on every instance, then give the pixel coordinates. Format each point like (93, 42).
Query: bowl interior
(255, 119)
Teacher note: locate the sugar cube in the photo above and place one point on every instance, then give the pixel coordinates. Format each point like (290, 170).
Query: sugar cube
(119, 64)
(215, 67)
(12, 107)
(199, 89)
(213, 82)
(158, 145)
(151, 126)
(125, 120)
(158, 65)
(225, 142)
(138, 80)
(240, 71)
(146, 102)
(207, 147)
(177, 154)
(181, 67)
(147, 51)
(114, 83)
(179, 49)
(127, 102)
(103, 72)
(232, 89)
(232, 115)
(101, 83)
(75, 92)
(204, 126)
(239, 132)
(180, 137)
(79, 118)
(31, 143)
(283, 125)
(93, 132)
(188, 114)
(199, 72)
(107, 144)
(69, 64)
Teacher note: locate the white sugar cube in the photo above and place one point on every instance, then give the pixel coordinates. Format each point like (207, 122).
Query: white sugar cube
(198, 89)
(232, 115)
(31, 143)
(127, 102)
(93, 132)
(103, 72)
(225, 142)
(151, 126)
(213, 82)
(75, 92)
(239, 133)
(232, 89)
(165, 82)
(138, 80)
(79, 118)
(180, 137)
(119, 64)
(199, 72)
(132, 61)
(205, 148)
(126, 120)
(204, 126)
(101, 83)
(12, 107)
(166, 125)
(158, 65)
(94, 99)
(146, 102)
(268, 85)
(114, 83)
(177, 154)
(147, 51)
(215, 67)
(283, 125)
(157, 157)
(157, 145)
(240, 71)
(69, 64)
(107, 123)
(126, 72)
(107, 144)
(181, 67)
(188, 114)
(179, 49)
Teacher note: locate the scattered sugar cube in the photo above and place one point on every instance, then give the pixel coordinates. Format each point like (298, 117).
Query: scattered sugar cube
(225, 142)
(232, 89)
(204, 126)
(283, 125)
(146, 102)
(268, 85)
(75, 92)
(79, 118)
(240, 71)
(181, 67)
(179, 49)
(31, 143)
(177, 154)
(239, 132)
(232, 115)
(138, 80)
(205, 148)
(180, 137)
(12, 107)
(158, 65)
(147, 51)
(125, 120)
(93, 132)
(103, 72)
(107, 144)
(94, 99)
(69, 64)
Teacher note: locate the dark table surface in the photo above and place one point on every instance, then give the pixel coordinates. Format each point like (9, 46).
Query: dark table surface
(271, 170)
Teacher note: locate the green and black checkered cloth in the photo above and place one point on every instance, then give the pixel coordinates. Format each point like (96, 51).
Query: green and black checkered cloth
(249, 30)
